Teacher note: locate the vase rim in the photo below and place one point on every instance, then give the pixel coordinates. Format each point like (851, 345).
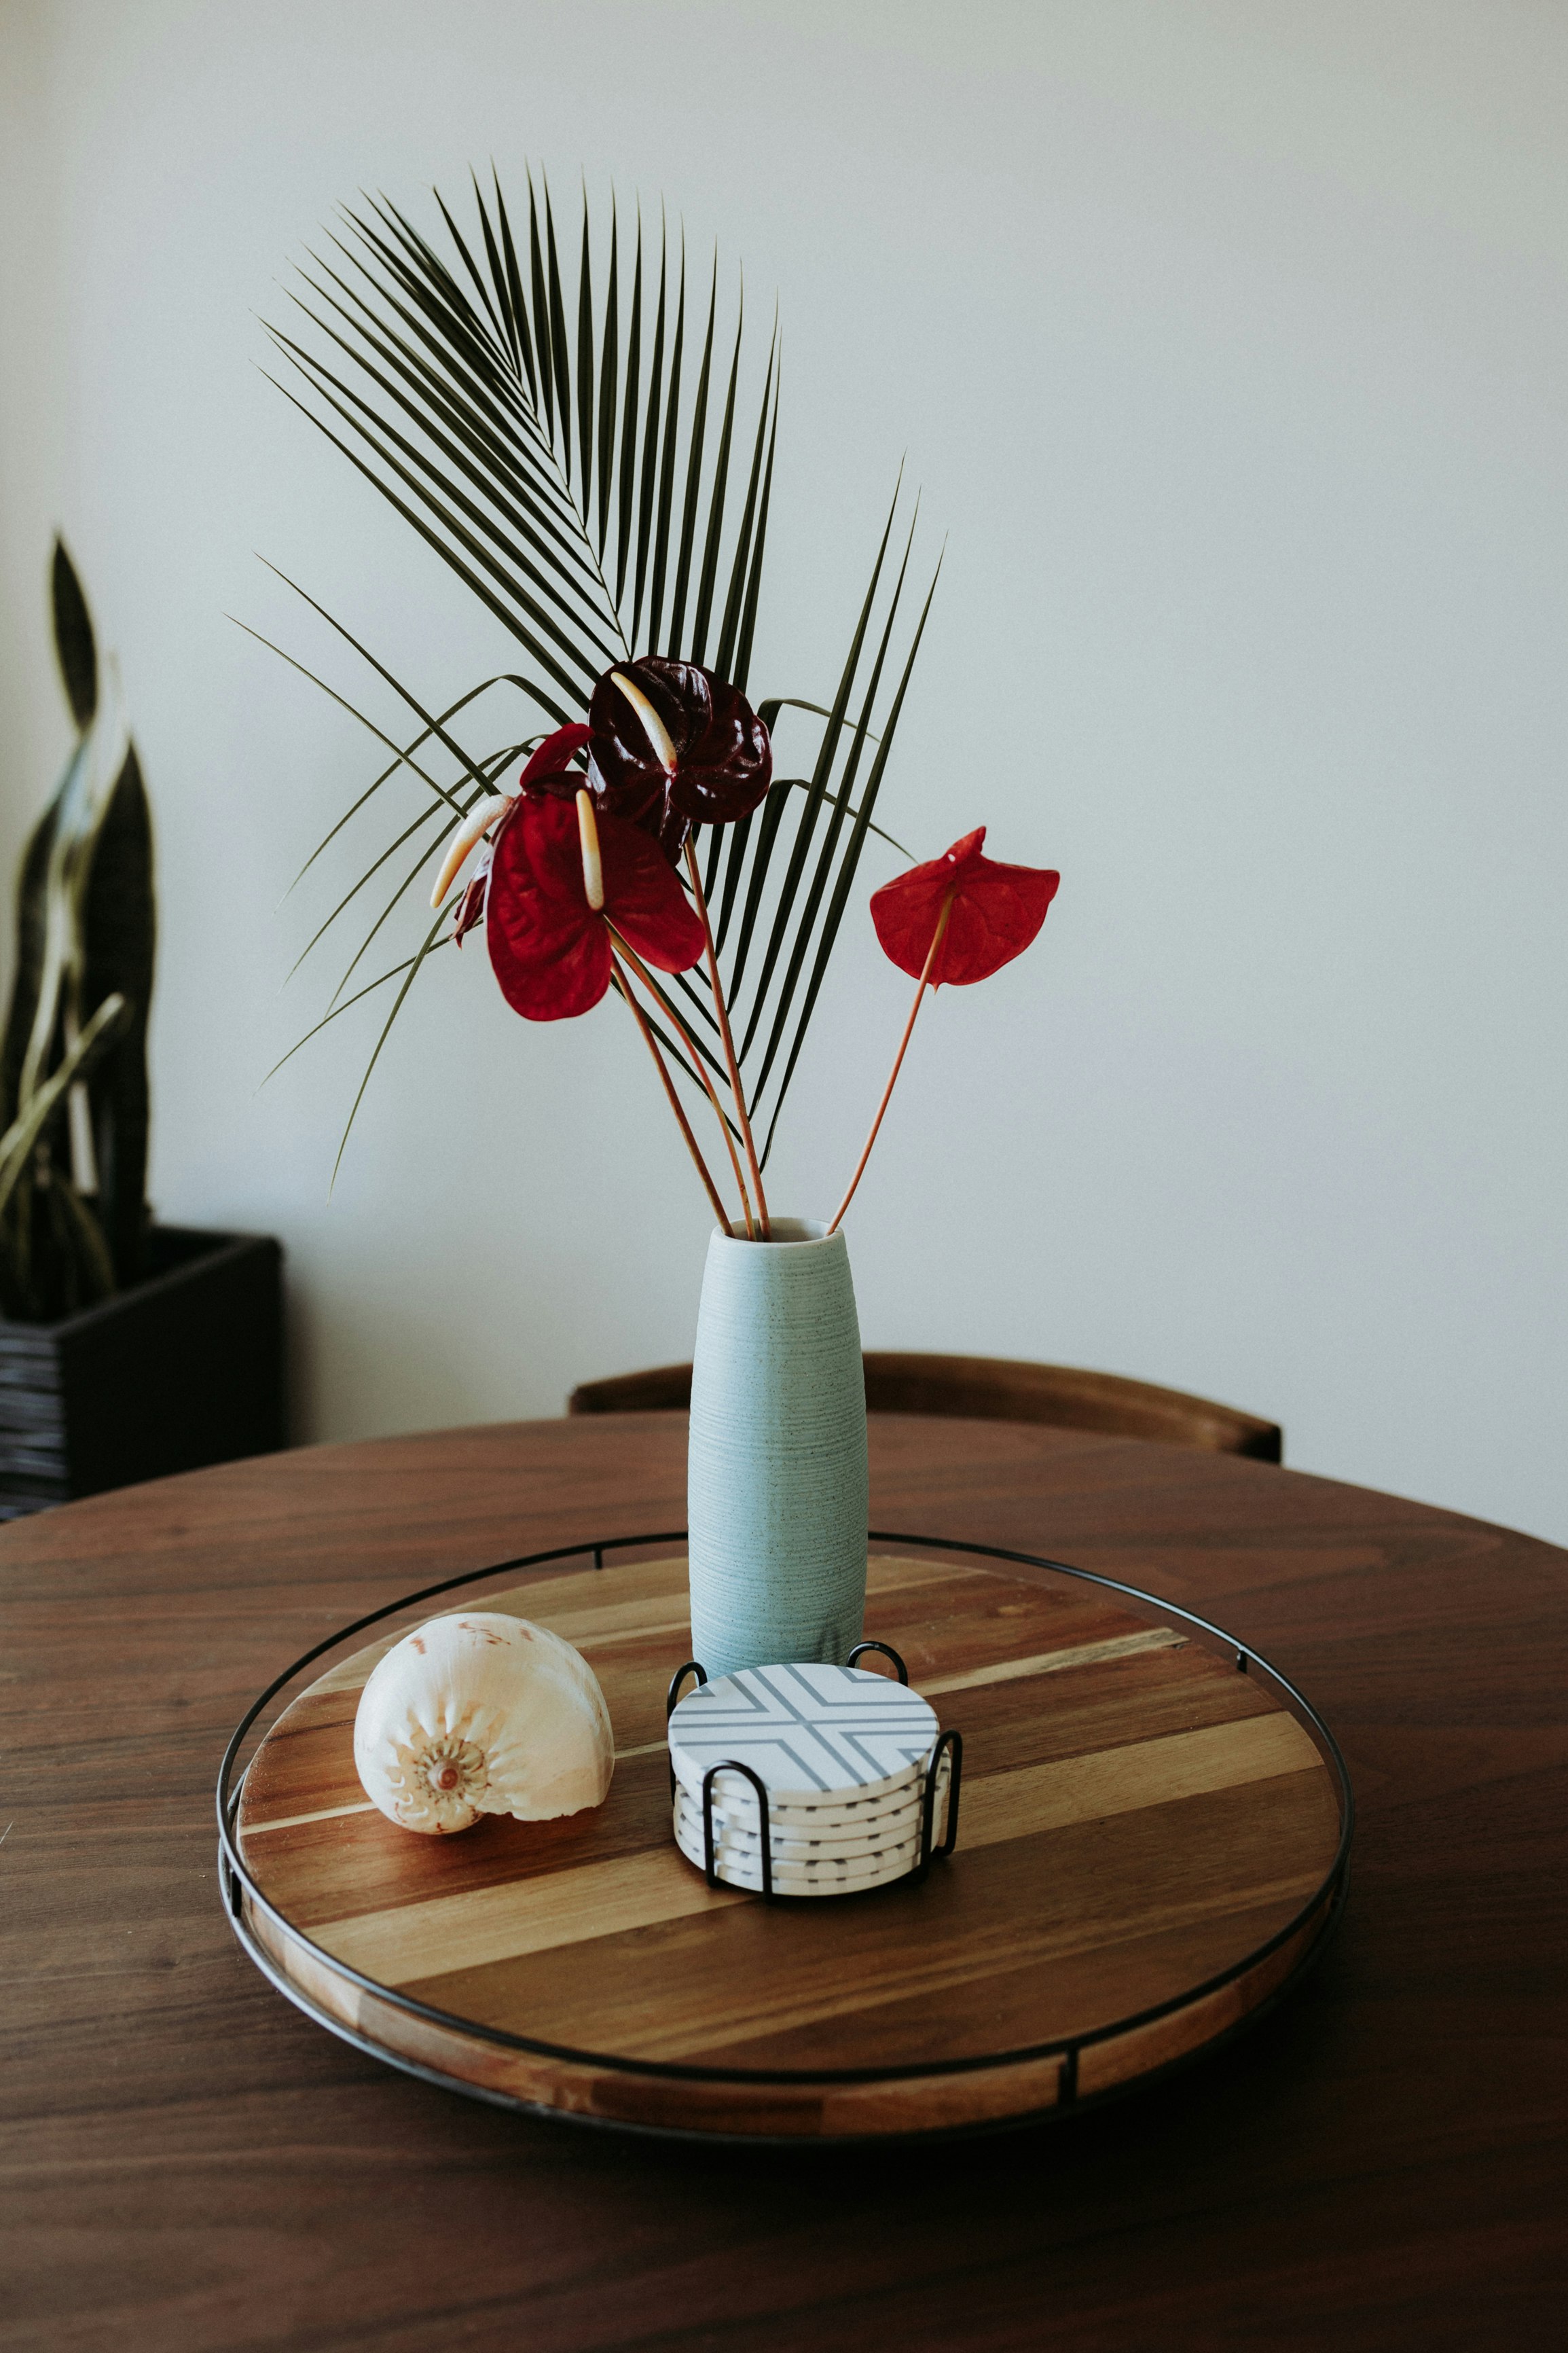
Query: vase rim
(788, 1233)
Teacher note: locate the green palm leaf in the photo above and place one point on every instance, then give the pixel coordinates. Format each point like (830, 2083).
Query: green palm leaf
(556, 457)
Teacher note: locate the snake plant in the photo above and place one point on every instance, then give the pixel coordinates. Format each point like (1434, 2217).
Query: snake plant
(73, 1064)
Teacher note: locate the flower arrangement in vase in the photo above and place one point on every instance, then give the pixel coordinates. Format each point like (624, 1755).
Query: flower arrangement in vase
(640, 843)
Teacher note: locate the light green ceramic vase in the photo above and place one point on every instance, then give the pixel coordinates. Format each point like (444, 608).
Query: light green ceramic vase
(777, 1488)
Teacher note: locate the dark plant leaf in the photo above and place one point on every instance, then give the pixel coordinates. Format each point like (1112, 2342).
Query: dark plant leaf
(558, 337)
(32, 1120)
(609, 347)
(738, 836)
(415, 964)
(517, 305)
(81, 1250)
(404, 757)
(120, 937)
(54, 1261)
(694, 473)
(585, 368)
(825, 863)
(547, 661)
(541, 320)
(502, 469)
(433, 726)
(710, 544)
(499, 278)
(737, 580)
(348, 1003)
(743, 663)
(650, 448)
(728, 628)
(32, 925)
(627, 475)
(74, 644)
(772, 818)
(399, 841)
(78, 1016)
(847, 868)
(420, 868)
(666, 463)
(476, 280)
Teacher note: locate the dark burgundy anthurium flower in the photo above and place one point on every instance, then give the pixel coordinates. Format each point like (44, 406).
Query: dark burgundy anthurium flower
(994, 912)
(672, 746)
(550, 943)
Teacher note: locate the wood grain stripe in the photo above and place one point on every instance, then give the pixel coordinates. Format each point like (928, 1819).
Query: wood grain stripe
(916, 1974)
(533, 1916)
(603, 1608)
(294, 1822)
(1124, 1780)
(1005, 1671)
(490, 1925)
(1056, 1662)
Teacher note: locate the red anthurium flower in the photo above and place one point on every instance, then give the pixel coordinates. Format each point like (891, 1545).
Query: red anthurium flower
(672, 746)
(550, 770)
(958, 918)
(995, 912)
(549, 946)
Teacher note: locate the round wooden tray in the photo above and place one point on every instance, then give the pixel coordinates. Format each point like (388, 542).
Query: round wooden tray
(1152, 1845)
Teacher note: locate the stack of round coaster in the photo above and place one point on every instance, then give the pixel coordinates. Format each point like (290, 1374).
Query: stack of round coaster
(842, 1754)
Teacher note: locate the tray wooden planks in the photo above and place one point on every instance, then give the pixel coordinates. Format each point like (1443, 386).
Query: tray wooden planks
(1139, 1820)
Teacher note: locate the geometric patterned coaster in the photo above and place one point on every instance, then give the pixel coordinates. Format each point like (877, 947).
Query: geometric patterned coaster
(829, 1877)
(808, 1731)
(735, 1802)
(730, 1838)
(799, 1837)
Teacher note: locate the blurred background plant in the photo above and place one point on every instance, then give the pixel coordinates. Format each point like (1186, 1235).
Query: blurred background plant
(73, 1062)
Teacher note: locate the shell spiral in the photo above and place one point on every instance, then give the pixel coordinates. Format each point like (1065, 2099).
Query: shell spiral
(482, 1713)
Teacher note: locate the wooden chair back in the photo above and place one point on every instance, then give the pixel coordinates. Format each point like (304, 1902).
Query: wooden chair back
(993, 1388)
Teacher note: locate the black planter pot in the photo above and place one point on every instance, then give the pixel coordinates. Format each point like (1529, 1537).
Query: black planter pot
(186, 1369)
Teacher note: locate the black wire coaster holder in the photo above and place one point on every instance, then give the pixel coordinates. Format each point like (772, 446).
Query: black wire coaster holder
(949, 1744)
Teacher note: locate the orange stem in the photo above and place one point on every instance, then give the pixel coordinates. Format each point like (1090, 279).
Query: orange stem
(897, 1060)
(723, 1013)
(652, 1044)
(700, 1068)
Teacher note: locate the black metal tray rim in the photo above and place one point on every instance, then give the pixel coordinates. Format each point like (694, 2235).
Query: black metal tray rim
(237, 1885)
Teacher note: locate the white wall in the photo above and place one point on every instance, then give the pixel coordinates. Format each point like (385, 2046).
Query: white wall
(1230, 345)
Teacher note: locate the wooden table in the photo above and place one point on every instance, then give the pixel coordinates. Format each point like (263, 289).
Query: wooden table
(187, 2162)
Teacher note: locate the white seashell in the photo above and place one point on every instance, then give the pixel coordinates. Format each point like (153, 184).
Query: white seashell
(481, 1713)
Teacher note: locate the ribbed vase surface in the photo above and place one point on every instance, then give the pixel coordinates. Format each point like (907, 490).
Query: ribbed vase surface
(777, 1487)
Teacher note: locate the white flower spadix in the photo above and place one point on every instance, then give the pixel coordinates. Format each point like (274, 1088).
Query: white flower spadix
(481, 1713)
(654, 728)
(593, 866)
(476, 823)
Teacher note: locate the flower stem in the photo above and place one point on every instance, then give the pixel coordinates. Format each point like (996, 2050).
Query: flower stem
(652, 1044)
(897, 1060)
(700, 1068)
(723, 1012)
